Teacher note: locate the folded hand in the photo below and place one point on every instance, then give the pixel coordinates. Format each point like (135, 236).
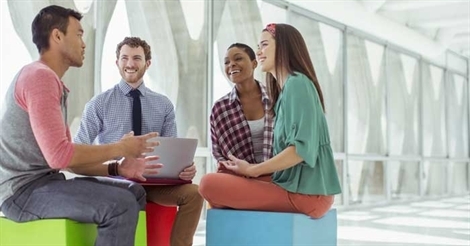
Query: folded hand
(188, 173)
(237, 166)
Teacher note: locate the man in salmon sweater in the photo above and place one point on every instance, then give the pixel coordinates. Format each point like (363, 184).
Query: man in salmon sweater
(35, 144)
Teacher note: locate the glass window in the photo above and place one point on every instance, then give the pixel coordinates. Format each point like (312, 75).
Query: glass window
(434, 129)
(366, 96)
(366, 182)
(435, 178)
(339, 200)
(201, 167)
(460, 178)
(404, 177)
(221, 85)
(14, 53)
(457, 115)
(118, 29)
(403, 92)
(83, 6)
(271, 13)
(456, 63)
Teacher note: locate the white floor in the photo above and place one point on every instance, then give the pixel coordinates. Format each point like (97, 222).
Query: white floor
(438, 222)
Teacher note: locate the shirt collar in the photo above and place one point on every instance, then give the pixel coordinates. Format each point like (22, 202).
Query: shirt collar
(126, 88)
(233, 95)
(65, 87)
(264, 92)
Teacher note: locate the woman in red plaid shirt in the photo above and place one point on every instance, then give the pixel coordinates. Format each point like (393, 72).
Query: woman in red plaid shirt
(240, 121)
(303, 177)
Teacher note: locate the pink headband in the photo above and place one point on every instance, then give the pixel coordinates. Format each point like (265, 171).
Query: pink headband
(271, 28)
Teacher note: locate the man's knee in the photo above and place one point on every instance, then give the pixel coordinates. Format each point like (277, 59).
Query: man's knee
(138, 191)
(124, 200)
(191, 191)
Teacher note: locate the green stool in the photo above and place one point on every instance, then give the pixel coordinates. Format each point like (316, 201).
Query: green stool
(58, 232)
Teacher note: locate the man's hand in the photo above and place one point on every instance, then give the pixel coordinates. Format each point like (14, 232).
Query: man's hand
(135, 146)
(188, 173)
(136, 168)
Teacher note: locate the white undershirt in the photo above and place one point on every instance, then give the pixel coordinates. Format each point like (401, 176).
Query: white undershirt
(257, 137)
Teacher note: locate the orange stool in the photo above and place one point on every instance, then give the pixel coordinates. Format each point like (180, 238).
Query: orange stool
(159, 224)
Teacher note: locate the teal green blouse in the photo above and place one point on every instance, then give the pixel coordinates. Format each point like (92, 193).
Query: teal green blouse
(300, 122)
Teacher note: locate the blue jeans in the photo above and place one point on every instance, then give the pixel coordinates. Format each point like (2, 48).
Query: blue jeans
(112, 204)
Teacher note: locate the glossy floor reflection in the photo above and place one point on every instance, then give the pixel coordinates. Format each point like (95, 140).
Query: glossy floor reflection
(434, 223)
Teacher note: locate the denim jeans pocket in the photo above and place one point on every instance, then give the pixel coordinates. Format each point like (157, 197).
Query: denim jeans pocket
(26, 216)
(17, 213)
(23, 214)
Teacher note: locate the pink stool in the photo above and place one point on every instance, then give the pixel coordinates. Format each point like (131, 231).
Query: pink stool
(159, 224)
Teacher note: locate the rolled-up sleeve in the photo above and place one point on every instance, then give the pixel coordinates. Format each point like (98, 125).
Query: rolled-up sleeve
(216, 150)
(301, 105)
(42, 101)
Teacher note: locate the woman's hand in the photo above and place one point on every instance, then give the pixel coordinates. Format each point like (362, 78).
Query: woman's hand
(238, 166)
(221, 166)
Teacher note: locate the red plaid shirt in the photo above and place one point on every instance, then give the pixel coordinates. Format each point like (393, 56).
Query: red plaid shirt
(230, 132)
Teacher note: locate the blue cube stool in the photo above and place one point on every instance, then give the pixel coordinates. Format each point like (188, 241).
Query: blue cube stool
(226, 227)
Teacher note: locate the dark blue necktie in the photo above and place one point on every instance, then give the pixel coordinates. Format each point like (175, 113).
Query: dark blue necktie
(136, 113)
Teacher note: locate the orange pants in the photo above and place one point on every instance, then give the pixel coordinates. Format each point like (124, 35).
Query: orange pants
(223, 190)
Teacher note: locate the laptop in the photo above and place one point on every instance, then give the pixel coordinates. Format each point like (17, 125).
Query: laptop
(175, 154)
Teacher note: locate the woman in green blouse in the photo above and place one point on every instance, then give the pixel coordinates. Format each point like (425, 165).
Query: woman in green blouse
(302, 175)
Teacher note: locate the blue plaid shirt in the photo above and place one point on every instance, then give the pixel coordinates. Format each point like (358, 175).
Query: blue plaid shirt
(108, 116)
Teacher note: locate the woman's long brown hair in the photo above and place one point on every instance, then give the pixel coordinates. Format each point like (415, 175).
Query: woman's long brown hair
(292, 56)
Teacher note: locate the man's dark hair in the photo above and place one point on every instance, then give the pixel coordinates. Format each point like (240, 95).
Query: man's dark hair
(48, 19)
(135, 42)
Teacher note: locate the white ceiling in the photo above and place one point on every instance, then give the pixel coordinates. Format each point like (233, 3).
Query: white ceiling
(445, 21)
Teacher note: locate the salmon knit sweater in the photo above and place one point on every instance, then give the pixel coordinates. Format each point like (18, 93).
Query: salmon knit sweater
(34, 137)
